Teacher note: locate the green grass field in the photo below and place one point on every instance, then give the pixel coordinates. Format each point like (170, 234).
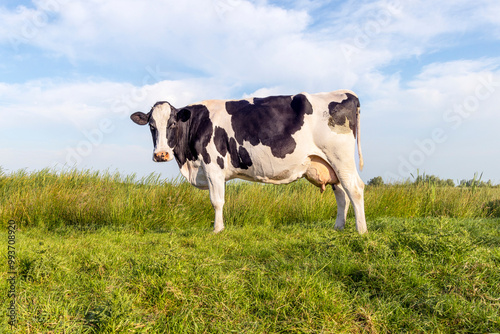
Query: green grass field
(105, 253)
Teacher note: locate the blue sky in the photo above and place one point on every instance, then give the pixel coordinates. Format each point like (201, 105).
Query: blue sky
(427, 74)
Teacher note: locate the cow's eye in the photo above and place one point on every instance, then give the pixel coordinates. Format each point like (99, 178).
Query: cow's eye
(171, 125)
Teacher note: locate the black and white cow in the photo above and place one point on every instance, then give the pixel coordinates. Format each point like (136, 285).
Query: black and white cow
(276, 139)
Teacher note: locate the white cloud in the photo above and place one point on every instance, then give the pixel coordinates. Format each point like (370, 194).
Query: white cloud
(248, 43)
(81, 104)
(68, 103)
(436, 88)
(446, 85)
(187, 31)
(86, 123)
(458, 99)
(227, 48)
(237, 40)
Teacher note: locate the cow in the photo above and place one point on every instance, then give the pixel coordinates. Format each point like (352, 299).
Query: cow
(276, 139)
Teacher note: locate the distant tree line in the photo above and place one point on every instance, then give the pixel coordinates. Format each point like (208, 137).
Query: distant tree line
(435, 181)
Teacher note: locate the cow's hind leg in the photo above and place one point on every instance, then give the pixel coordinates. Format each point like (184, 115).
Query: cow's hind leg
(216, 187)
(342, 206)
(354, 187)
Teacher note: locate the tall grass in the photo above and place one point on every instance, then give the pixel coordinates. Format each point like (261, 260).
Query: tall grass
(90, 199)
(427, 200)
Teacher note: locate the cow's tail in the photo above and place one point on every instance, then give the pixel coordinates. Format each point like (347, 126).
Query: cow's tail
(358, 140)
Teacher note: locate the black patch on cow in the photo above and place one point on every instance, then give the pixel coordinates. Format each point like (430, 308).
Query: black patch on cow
(160, 103)
(301, 104)
(221, 140)
(270, 121)
(347, 109)
(183, 115)
(239, 155)
(190, 138)
(220, 162)
(233, 152)
(245, 160)
(152, 127)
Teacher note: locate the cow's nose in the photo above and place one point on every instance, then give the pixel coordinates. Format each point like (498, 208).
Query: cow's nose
(160, 156)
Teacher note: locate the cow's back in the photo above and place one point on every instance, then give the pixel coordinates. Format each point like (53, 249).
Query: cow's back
(273, 139)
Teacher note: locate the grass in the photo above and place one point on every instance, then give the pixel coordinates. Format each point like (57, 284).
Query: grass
(103, 253)
(90, 199)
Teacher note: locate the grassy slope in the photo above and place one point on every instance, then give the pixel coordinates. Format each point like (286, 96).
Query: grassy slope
(97, 254)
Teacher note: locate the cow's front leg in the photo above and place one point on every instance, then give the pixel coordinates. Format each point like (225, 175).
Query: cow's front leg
(216, 187)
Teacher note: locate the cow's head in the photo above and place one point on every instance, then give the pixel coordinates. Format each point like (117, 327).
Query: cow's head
(163, 121)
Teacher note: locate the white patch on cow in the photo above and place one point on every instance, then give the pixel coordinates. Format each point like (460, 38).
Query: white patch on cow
(160, 115)
(267, 168)
(194, 172)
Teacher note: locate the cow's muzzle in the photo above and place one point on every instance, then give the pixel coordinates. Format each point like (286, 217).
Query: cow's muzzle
(161, 156)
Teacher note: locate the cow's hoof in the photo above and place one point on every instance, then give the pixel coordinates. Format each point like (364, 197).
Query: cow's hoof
(218, 230)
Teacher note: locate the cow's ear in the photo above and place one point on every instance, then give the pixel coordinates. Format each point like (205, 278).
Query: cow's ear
(183, 115)
(140, 118)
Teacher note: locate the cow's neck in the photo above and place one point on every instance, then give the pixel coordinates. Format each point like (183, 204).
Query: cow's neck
(190, 168)
(181, 143)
